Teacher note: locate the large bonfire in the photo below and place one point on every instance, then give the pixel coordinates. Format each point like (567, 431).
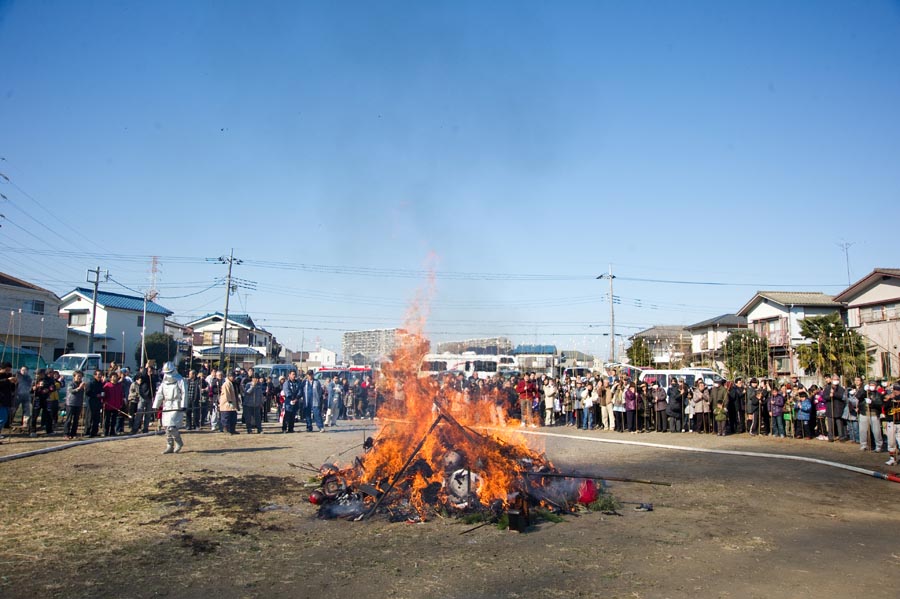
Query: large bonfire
(437, 452)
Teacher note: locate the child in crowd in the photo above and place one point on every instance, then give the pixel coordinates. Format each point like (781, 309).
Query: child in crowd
(804, 415)
(789, 413)
(821, 409)
(851, 409)
(721, 415)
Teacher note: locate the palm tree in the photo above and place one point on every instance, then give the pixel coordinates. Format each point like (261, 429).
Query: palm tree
(833, 348)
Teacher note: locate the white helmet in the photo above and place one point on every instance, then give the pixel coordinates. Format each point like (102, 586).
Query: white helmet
(169, 368)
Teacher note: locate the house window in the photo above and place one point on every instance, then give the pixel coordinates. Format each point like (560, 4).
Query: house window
(33, 307)
(140, 320)
(78, 319)
(871, 314)
(231, 336)
(892, 311)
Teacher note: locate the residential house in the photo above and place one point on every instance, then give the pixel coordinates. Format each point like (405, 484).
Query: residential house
(708, 336)
(669, 345)
(245, 343)
(776, 315)
(322, 358)
(119, 324)
(873, 311)
(184, 339)
(571, 358)
(33, 323)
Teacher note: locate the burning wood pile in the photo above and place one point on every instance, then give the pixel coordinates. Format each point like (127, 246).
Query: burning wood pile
(435, 456)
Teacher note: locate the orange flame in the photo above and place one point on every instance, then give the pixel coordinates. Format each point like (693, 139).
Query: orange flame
(491, 460)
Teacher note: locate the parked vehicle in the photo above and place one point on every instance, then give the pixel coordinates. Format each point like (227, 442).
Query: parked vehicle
(67, 364)
(351, 373)
(274, 371)
(710, 376)
(482, 366)
(665, 377)
(576, 372)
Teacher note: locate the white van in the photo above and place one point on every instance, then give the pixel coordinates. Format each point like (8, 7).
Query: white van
(67, 364)
(665, 377)
(709, 375)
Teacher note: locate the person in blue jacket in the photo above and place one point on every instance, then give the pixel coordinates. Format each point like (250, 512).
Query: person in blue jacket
(313, 395)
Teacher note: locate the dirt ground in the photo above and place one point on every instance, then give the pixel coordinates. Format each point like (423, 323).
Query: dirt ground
(229, 518)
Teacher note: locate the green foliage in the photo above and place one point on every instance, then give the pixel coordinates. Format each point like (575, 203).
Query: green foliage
(545, 514)
(503, 522)
(604, 503)
(746, 354)
(639, 353)
(833, 348)
(160, 347)
(474, 518)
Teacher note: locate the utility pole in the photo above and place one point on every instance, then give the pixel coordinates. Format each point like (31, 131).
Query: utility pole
(230, 261)
(612, 315)
(96, 282)
(846, 245)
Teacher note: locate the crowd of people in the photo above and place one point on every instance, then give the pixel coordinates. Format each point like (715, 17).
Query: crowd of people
(867, 413)
(111, 402)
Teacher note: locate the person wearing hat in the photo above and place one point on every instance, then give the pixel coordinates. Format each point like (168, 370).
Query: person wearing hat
(170, 396)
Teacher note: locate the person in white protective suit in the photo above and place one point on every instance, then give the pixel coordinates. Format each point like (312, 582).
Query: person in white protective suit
(170, 397)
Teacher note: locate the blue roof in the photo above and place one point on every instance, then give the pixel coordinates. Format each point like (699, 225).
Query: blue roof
(231, 351)
(534, 349)
(118, 301)
(241, 319)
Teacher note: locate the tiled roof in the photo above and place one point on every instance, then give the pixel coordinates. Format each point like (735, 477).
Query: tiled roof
(876, 275)
(97, 336)
(119, 301)
(725, 320)
(12, 281)
(792, 298)
(231, 351)
(662, 332)
(241, 319)
(534, 349)
(798, 298)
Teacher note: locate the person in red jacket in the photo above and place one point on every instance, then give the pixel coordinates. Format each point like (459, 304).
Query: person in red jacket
(113, 404)
(527, 391)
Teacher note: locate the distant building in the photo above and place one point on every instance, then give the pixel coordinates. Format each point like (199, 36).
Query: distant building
(570, 358)
(183, 336)
(668, 344)
(370, 347)
(120, 321)
(873, 311)
(33, 314)
(708, 336)
(776, 316)
(321, 358)
(489, 345)
(245, 343)
(541, 359)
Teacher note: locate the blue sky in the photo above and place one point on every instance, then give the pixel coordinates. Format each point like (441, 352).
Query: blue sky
(706, 141)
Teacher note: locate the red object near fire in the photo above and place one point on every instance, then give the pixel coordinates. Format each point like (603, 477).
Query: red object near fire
(317, 497)
(588, 492)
